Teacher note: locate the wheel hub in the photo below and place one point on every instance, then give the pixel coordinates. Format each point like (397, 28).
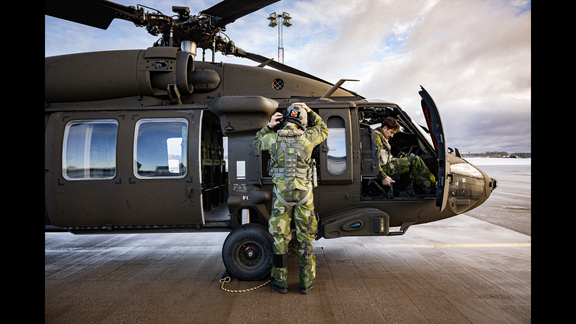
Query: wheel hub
(250, 254)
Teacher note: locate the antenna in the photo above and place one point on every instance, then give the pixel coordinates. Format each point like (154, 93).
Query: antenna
(334, 88)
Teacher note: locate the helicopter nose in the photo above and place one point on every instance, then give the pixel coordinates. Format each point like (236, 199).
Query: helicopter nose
(469, 187)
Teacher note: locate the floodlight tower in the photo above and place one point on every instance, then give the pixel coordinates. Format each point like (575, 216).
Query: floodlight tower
(284, 19)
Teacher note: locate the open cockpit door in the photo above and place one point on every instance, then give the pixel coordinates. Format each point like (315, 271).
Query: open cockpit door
(434, 123)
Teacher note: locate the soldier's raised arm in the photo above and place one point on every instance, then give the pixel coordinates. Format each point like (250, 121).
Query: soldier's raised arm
(262, 141)
(318, 130)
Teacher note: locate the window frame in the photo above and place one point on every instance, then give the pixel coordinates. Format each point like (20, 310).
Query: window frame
(346, 177)
(135, 147)
(64, 164)
(331, 163)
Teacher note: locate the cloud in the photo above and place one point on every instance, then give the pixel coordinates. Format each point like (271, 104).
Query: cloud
(473, 57)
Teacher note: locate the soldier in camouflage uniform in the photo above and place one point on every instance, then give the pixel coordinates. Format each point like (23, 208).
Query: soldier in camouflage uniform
(392, 166)
(290, 155)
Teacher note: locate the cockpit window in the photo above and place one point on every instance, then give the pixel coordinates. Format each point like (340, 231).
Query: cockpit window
(424, 133)
(337, 145)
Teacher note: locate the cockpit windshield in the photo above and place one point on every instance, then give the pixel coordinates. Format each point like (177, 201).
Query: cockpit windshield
(425, 133)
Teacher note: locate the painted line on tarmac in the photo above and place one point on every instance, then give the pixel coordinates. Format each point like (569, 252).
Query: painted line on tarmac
(439, 245)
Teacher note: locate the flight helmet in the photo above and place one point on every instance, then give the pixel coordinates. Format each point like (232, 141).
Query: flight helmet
(297, 115)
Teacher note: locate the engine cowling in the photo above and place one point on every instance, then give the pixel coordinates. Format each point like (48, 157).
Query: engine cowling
(156, 71)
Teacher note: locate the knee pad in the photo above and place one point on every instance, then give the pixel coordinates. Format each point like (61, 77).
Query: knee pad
(280, 260)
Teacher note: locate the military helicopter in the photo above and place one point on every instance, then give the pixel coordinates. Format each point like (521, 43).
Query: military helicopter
(136, 140)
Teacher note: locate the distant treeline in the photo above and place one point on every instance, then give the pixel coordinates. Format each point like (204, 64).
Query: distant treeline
(499, 154)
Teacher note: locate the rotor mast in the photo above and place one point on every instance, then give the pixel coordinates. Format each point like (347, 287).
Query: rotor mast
(185, 31)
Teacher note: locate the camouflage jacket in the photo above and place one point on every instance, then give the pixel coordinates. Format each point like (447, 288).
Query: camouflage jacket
(268, 140)
(384, 152)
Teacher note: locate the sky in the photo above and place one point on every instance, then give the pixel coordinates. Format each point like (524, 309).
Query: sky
(472, 56)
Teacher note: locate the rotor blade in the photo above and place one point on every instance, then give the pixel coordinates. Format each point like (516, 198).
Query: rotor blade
(95, 13)
(282, 67)
(278, 66)
(230, 10)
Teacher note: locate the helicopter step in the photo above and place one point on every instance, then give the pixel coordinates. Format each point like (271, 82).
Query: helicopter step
(356, 222)
(360, 222)
(216, 224)
(217, 217)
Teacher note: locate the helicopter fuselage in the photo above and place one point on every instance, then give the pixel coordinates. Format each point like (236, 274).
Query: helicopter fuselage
(147, 140)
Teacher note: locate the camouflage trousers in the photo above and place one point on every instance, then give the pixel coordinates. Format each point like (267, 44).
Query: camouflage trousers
(306, 226)
(415, 166)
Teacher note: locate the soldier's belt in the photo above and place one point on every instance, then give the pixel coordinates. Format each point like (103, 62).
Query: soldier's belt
(292, 204)
(292, 172)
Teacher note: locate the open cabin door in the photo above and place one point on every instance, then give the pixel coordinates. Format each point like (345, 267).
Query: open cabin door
(434, 123)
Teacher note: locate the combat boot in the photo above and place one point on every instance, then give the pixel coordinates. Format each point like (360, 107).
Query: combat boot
(307, 290)
(277, 287)
(410, 189)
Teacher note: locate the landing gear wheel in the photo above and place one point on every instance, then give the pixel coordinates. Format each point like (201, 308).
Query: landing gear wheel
(247, 252)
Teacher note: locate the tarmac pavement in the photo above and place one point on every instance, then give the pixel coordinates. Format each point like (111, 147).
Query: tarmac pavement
(510, 205)
(458, 270)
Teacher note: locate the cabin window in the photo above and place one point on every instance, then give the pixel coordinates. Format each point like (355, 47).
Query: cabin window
(160, 148)
(89, 149)
(336, 160)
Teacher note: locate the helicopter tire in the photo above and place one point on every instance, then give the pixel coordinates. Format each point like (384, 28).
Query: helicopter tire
(247, 252)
